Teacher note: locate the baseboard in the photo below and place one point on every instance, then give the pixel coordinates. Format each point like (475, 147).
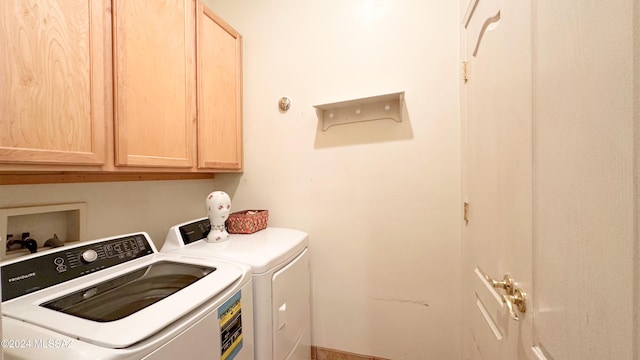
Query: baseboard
(320, 353)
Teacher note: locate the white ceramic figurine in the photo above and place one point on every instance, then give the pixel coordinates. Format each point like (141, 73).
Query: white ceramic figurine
(218, 208)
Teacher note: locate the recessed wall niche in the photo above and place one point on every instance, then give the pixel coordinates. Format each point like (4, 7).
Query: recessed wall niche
(48, 225)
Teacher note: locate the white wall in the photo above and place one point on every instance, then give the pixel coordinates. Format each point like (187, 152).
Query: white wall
(121, 207)
(379, 199)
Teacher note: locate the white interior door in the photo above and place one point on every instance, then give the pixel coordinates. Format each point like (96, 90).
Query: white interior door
(497, 177)
(550, 159)
(585, 203)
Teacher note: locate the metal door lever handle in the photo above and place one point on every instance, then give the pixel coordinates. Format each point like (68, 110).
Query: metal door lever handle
(514, 297)
(519, 300)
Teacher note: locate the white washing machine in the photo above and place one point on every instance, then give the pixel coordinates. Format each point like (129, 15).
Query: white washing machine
(281, 291)
(118, 298)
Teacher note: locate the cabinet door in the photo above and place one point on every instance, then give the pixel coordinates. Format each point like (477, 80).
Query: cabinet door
(154, 93)
(219, 93)
(52, 82)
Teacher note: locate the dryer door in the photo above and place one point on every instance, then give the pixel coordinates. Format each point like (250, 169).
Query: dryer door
(291, 310)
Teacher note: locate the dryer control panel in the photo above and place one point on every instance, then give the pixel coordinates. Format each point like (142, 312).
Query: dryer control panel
(195, 231)
(51, 268)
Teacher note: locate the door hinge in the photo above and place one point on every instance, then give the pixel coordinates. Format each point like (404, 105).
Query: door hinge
(466, 213)
(465, 74)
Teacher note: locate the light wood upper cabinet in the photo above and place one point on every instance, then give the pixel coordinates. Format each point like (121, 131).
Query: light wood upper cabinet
(155, 89)
(219, 81)
(117, 87)
(52, 82)
(164, 115)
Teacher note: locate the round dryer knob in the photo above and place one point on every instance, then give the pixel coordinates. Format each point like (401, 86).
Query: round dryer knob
(89, 256)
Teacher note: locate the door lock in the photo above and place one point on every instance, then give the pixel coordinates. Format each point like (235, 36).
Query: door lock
(505, 284)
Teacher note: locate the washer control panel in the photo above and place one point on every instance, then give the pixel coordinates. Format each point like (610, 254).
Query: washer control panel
(89, 256)
(52, 268)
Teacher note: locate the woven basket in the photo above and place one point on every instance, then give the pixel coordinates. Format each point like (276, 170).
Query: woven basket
(247, 221)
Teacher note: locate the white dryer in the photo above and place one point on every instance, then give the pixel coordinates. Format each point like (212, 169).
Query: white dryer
(279, 259)
(118, 298)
